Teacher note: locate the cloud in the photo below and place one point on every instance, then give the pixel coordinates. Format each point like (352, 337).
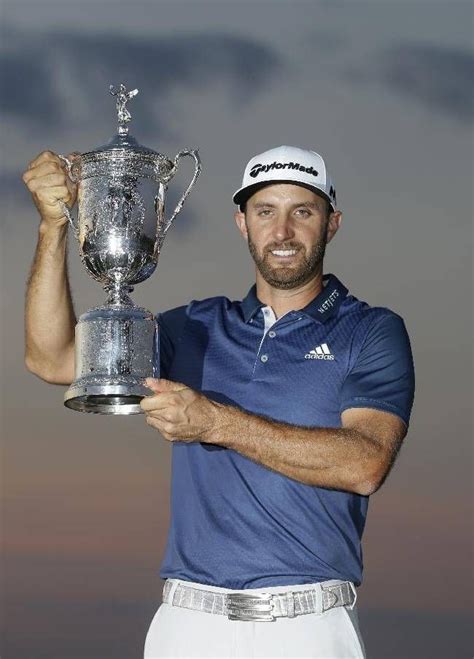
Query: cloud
(62, 79)
(324, 42)
(58, 84)
(440, 78)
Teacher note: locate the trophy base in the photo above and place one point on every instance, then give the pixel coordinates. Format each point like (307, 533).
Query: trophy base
(106, 398)
(115, 347)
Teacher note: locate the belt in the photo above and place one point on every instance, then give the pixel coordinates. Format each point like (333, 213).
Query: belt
(265, 607)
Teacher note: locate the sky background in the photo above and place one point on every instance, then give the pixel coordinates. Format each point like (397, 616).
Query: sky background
(383, 90)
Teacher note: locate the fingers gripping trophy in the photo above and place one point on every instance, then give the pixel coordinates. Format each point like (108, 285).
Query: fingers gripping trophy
(120, 228)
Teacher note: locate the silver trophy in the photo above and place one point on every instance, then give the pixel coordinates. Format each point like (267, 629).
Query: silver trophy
(121, 227)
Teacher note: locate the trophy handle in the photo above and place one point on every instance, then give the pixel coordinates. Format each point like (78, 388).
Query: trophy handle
(192, 153)
(65, 208)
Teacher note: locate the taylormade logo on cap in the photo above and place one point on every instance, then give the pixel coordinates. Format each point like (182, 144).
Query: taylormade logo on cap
(258, 169)
(287, 164)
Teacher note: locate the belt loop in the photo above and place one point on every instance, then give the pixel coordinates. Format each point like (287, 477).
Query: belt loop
(353, 588)
(290, 604)
(317, 595)
(174, 585)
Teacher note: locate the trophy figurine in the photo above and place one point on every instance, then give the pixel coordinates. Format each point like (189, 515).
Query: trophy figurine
(120, 228)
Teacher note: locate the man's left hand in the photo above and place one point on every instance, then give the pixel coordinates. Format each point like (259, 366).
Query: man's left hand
(178, 412)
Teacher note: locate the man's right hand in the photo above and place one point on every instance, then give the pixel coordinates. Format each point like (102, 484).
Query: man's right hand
(48, 181)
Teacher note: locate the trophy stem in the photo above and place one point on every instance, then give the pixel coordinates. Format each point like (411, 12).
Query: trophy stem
(118, 294)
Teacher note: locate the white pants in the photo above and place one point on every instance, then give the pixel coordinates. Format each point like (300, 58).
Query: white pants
(179, 633)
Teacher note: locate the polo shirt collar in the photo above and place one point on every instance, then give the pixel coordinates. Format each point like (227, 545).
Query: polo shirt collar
(324, 306)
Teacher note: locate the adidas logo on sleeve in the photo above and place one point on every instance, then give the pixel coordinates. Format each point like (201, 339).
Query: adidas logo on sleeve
(320, 352)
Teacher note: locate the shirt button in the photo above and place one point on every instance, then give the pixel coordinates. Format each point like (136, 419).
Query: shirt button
(264, 358)
(272, 334)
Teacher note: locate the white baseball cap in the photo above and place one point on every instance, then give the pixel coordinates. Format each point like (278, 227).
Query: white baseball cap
(286, 164)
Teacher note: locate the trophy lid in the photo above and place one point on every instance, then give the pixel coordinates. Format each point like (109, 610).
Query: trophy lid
(126, 141)
(125, 146)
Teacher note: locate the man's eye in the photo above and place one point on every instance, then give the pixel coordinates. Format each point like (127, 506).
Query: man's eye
(303, 212)
(264, 212)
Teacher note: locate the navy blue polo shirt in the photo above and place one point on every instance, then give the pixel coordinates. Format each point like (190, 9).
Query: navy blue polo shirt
(238, 524)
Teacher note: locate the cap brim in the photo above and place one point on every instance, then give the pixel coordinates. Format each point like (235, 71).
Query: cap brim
(244, 194)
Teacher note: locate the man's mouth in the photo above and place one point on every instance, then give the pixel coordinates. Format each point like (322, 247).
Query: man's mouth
(284, 252)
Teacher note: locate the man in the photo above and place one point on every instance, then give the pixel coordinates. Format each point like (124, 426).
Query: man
(286, 411)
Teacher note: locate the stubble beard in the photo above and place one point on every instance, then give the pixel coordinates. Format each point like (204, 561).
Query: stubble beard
(284, 277)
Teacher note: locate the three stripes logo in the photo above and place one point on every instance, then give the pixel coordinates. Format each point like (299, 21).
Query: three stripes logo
(320, 352)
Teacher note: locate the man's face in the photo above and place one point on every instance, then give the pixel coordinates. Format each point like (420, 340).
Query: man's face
(287, 228)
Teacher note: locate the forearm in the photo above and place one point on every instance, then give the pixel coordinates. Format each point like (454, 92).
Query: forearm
(49, 313)
(336, 458)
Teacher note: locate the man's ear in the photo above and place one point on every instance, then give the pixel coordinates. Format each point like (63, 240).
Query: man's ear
(240, 221)
(334, 223)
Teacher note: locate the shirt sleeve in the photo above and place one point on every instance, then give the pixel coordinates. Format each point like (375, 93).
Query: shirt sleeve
(383, 376)
(170, 328)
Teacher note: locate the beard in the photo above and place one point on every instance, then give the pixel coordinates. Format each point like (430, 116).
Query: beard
(283, 277)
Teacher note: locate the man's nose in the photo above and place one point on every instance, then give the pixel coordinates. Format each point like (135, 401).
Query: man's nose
(283, 229)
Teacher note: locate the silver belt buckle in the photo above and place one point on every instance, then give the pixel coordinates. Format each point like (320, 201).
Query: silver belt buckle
(250, 607)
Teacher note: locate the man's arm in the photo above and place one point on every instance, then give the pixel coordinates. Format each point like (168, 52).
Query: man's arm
(355, 458)
(49, 312)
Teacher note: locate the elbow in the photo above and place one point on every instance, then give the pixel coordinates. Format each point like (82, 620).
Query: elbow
(366, 488)
(31, 365)
(41, 370)
(37, 369)
(59, 370)
(372, 481)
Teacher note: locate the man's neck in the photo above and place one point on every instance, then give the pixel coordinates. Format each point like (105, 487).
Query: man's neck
(284, 300)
